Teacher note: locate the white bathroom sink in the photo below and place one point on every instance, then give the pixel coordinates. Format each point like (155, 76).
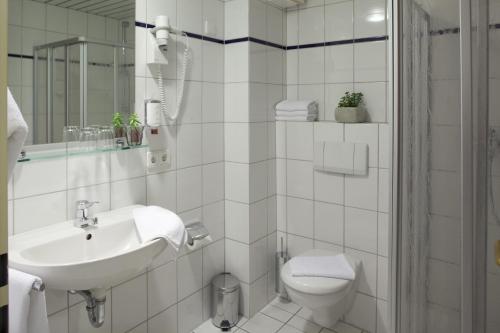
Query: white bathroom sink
(71, 258)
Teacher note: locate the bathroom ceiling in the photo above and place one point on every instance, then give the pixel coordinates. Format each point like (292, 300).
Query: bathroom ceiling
(117, 9)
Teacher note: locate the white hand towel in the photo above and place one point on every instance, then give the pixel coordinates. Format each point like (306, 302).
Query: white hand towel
(296, 105)
(326, 266)
(154, 222)
(312, 117)
(27, 307)
(296, 113)
(17, 131)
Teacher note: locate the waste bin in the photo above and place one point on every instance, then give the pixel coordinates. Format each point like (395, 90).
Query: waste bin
(225, 301)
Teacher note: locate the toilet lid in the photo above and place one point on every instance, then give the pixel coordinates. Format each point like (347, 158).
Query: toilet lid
(317, 285)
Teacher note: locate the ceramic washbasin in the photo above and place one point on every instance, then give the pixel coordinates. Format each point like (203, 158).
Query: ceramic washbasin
(71, 258)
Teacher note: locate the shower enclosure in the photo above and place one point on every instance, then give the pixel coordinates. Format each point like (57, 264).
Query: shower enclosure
(79, 82)
(446, 230)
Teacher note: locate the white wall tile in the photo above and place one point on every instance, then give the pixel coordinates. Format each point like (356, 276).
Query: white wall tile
(39, 177)
(361, 229)
(162, 288)
(300, 179)
(311, 65)
(189, 194)
(34, 14)
(128, 164)
(374, 97)
(339, 63)
(126, 314)
(212, 102)
(237, 19)
(236, 181)
(238, 221)
(364, 133)
(329, 187)
(213, 219)
(166, 321)
(189, 274)
(371, 61)
(238, 259)
(300, 214)
(128, 192)
(363, 312)
(328, 222)
(369, 18)
(362, 191)
(339, 23)
(190, 15)
(213, 261)
(88, 170)
(213, 18)
(162, 190)
(311, 25)
(190, 111)
(189, 145)
(237, 147)
(213, 182)
(190, 312)
(48, 209)
(299, 140)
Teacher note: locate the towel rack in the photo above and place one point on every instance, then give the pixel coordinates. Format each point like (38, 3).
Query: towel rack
(38, 286)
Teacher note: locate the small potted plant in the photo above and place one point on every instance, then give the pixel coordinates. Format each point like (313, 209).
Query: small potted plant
(134, 130)
(118, 125)
(351, 109)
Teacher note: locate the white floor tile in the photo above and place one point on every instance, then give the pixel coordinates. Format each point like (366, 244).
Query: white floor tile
(304, 325)
(277, 313)
(285, 305)
(289, 329)
(345, 328)
(262, 324)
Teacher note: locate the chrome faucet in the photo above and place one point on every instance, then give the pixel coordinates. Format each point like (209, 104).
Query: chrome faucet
(82, 214)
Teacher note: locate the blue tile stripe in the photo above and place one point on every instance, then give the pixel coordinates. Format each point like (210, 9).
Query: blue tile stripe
(271, 44)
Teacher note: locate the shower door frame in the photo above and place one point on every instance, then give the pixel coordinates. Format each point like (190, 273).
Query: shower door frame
(83, 43)
(473, 171)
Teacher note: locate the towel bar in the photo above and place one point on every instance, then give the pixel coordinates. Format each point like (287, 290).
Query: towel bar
(38, 286)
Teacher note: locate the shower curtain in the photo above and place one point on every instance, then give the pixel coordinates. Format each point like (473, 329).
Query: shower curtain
(415, 171)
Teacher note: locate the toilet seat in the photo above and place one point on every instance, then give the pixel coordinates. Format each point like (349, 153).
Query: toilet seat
(317, 285)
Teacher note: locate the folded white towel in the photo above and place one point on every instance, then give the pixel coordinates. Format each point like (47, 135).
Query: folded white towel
(296, 105)
(324, 266)
(154, 222)
(312, 117)
(17, 131)
(27, 307)
(296, 113)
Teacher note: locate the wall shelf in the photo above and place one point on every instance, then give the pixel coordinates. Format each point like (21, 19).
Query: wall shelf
(60, 151)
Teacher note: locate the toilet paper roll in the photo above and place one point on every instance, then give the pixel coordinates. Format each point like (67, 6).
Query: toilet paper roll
(198, 244)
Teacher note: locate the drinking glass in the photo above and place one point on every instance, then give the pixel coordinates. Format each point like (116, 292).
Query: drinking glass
(105, 138)
(88, 139)
(71, 136)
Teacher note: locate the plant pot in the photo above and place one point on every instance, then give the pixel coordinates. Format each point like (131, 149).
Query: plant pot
(119, 132)
(134, 135)
(350, 114)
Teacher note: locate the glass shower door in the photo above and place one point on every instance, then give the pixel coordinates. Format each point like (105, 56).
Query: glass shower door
(442, 230)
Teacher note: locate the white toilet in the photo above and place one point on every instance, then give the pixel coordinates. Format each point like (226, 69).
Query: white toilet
(327, 298)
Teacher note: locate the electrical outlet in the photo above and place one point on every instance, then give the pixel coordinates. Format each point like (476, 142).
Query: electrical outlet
(158, 160)
(152, 160)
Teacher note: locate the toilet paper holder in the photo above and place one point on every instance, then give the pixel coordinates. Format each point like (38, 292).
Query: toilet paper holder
(196, 231)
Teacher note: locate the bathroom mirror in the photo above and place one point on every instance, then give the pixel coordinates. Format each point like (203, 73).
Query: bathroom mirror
(71, 63)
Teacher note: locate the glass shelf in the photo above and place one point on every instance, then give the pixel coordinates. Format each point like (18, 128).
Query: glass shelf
(60, 151)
